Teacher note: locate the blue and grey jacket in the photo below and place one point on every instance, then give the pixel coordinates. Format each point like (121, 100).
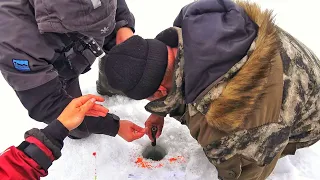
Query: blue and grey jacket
(37, 57)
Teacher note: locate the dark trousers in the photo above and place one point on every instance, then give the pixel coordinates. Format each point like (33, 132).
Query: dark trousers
(72, 87)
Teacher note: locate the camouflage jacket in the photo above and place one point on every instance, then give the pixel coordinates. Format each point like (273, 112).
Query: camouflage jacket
(268, 100)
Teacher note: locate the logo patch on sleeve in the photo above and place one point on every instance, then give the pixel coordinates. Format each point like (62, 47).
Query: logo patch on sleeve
(21, 64)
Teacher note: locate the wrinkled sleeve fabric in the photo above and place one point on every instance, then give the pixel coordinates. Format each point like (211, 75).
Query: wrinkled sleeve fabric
(26, 64)
(15, 164)
(24, 54)
(124, 18)
(46, 102)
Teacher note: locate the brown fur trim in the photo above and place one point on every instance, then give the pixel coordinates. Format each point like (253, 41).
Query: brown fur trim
(242, 93)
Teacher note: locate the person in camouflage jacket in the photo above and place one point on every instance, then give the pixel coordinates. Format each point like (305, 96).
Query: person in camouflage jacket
(247, 90)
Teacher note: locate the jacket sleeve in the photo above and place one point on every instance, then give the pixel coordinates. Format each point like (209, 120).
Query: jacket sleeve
(46, 102)
(15, 164)
(232, 163)
(252, 151)
(124, 18)
(26, 64)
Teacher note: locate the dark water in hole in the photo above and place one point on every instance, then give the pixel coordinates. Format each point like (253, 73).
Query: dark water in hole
(155, 153)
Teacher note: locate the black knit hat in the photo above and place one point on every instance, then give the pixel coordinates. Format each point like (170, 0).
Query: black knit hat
(137, 66)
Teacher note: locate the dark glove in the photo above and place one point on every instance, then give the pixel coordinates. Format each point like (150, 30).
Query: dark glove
(108, 125)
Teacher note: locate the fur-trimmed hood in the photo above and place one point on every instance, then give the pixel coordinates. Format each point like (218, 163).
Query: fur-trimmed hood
(266, 100)
(270, 103)
(235, 94)
(241, 94)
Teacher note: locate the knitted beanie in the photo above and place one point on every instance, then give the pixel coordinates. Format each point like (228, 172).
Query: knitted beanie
(137, 66)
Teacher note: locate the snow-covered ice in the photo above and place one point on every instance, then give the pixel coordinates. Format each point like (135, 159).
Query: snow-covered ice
(115, 158)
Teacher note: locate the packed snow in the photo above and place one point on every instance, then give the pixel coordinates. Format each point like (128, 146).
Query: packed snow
(118, 160)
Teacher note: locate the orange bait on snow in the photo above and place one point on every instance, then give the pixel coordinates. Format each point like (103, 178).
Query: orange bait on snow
(143, 163)
(178, 158)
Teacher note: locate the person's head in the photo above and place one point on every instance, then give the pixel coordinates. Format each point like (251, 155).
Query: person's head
(90, 18)
(141, 68)
(166, 83)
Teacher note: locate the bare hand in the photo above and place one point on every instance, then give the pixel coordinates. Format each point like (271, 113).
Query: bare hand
(130, 131)
(123, 34)
(154, 120)
(73, 115)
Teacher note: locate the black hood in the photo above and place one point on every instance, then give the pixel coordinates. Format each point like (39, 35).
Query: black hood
(217, 34)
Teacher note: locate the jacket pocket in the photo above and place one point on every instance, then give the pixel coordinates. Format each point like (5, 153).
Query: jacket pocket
(290, 149)
(229, 170)
(250, 169)
(239, 168)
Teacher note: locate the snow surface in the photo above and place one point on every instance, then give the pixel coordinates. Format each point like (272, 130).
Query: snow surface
(116, 158)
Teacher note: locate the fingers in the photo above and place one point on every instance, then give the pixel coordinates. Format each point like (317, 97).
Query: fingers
(137, 135)
(94, 113)
(123, 34)
(87, 106)
(88, 101)
(159, 131)
(137, 128)
(137, 131)
(97, 110)
(130, 131)
(100, 108)
(148, 130)
(98, 98)
(83, 99)
(150, 135)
